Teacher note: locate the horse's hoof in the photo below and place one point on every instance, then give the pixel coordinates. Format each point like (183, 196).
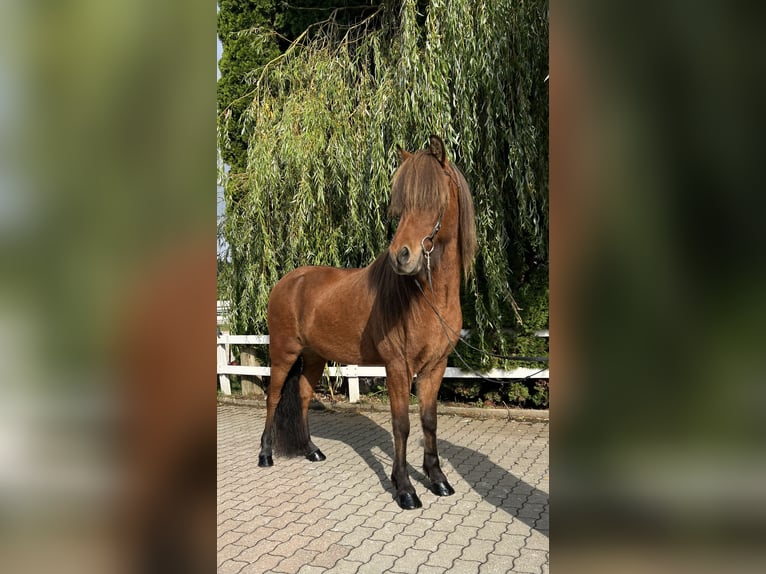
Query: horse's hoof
(442, 489)
(316, 456)
(265, 460)
(408, 501)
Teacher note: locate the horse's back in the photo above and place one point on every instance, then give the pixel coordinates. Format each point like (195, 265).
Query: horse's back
(307, 282)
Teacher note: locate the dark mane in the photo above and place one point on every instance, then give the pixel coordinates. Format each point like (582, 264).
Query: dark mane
(418, 185)
(467, 231)
(395, 293)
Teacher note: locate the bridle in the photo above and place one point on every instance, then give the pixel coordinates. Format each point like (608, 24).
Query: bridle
(427, 252)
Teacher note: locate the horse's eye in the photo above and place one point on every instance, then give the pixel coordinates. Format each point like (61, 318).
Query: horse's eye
(393, 224)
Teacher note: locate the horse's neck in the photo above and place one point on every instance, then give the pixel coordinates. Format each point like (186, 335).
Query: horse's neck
(445, 277)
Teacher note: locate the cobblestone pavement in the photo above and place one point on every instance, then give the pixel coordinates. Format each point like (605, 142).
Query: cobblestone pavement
(340, 516)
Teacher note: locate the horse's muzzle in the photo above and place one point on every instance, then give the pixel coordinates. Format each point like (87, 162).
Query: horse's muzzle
(404, 262)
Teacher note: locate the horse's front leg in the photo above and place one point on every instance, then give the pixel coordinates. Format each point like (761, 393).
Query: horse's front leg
(399, 383)
(428, 389)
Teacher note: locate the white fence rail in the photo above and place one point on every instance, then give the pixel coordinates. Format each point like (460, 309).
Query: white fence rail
(351, 372)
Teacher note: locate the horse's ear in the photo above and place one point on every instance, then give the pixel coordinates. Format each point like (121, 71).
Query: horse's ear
(403, 154)
(437, 149)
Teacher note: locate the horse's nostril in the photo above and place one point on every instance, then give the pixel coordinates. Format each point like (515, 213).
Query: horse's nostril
(403, 256)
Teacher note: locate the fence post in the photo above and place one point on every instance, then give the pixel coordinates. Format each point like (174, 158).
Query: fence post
(249, 383)
(353, 384)
(223, 360)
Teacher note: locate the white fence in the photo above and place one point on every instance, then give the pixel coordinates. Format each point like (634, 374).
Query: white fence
(351, 372)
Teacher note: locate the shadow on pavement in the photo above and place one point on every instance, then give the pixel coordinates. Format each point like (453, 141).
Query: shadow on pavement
(493, 483)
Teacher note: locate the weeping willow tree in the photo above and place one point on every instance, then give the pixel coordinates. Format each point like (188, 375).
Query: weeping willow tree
(326, 116)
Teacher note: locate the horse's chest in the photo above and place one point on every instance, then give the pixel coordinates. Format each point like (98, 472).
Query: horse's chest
(433, 335)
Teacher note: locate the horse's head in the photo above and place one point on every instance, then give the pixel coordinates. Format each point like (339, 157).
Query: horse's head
(432, 200)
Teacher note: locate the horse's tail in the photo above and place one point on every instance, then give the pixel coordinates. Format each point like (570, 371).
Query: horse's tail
(291, 431)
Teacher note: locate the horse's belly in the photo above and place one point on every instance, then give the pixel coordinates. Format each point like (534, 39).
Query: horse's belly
(343, 347)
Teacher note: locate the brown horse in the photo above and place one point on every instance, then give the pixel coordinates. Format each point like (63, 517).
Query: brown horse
(381, 314)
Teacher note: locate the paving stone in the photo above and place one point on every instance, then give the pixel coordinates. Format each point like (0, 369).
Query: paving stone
(231, 567)
(497, 564)
(340, 502)
(289, 532)
(293, 563)
(350, 524)
(365, 550)
(379, 520)
(319, 527)
(227, 516)
(448, 522)
(266, 563)
(346, 566)
(357, 536)
(399, 545)
(434, 512)
(329, 557)
(518, 527)
(314, 515)
(466, 566)
(477, 518)
(228, 537)
(388, 532)
(285, 520)
(430, 540)
(478, 550)
(531, 561)
(463, 507)
(259, 549)
(377, 564)
(297, 542)
(530, 511)
(445, 554)
(411, 560)
(418, 527)
(509, 545)
(462, 534)
(492, 531)
(229, 551)
(325, 541)
(537, 541)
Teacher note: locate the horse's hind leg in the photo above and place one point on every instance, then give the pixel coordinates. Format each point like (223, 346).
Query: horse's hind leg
(287, 426)
(313, 366)
(280, 371)
(428, 389)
